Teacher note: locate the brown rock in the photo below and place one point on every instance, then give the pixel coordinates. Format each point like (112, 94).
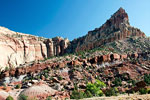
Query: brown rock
(114, 57)
(61, 65)
(134, 55)
(116, 28)
(124, 56)
(141, 84)
(93, 60)
(104, 58)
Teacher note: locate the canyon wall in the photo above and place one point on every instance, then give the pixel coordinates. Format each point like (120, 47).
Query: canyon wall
(18, 48)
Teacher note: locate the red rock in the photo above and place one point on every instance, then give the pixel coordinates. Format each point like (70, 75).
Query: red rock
(78, 75)
(114, 56)
(104, 58)
(134, 55)
(61, 65)
(12, 72)
(124, 56)
(76, 62)
(6, 74)
(55, 80)
(93, 60)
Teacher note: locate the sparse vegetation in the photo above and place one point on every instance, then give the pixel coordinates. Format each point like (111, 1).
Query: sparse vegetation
(147, 78)
(111, 92)
(117, 81)
(23, 97)
(18, 86)
(143, 91)
(49, 98)
(9, 98)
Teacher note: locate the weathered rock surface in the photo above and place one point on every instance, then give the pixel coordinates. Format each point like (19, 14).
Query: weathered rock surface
(18, 48)
(116, 28)
(40, 90)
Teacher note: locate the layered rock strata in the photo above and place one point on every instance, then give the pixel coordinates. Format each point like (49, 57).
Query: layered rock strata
(116, 28)
(18, 48)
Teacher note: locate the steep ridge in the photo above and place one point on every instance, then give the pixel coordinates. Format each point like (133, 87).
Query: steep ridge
(116, 28)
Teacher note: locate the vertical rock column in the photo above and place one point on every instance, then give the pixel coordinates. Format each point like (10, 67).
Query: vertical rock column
(49, 45)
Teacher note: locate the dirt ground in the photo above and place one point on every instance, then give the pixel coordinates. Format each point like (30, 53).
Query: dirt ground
(123, 97)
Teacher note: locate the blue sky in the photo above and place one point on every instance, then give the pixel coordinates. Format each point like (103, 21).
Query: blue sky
(69, 18)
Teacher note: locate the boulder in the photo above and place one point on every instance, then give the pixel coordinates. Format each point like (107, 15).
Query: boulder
(114, 56)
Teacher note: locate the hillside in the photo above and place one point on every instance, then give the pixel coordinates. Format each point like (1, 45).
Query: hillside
(109, 61)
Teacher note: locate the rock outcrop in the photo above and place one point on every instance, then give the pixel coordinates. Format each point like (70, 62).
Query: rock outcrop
(18, 48)
(116, 28)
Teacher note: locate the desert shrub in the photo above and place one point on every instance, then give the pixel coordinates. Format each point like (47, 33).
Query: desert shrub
(95, 89)
(117, 82)
(23, 97)
(49, 98)
(6, 68)
(147, 78)
(88, 94)
(143, 91)
(60, 78)
(111, 92)
(99, 84)
(77, 95)
(92, 88)
(148, 90)
(9, 98)
(18, 86)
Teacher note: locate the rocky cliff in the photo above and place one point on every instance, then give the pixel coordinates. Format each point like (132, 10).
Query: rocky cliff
(18, 48)
(116, 28)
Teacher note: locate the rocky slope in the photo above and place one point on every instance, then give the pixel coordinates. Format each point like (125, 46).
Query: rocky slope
(19, 48)
(116, 28)
(116, 54)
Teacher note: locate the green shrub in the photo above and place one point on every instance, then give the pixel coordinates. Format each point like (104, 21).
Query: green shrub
(111, 92)
(23, 97)
(143, 91)
(60, 78)
(92, 88)
(117, 82)
(99, 84)
(49, 98)
(148, 90)
(95, 89)
(9, 98)
(100, 93)
(6, 68)
(147, 78)
(18, 86)
(77, 95)
(88, 94)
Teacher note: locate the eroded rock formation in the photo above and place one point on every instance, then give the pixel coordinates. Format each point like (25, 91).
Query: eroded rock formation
(18, 48)
(116, 28)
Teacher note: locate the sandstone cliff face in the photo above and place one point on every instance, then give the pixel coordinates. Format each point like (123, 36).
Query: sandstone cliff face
(18, 48)
(116, 28)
